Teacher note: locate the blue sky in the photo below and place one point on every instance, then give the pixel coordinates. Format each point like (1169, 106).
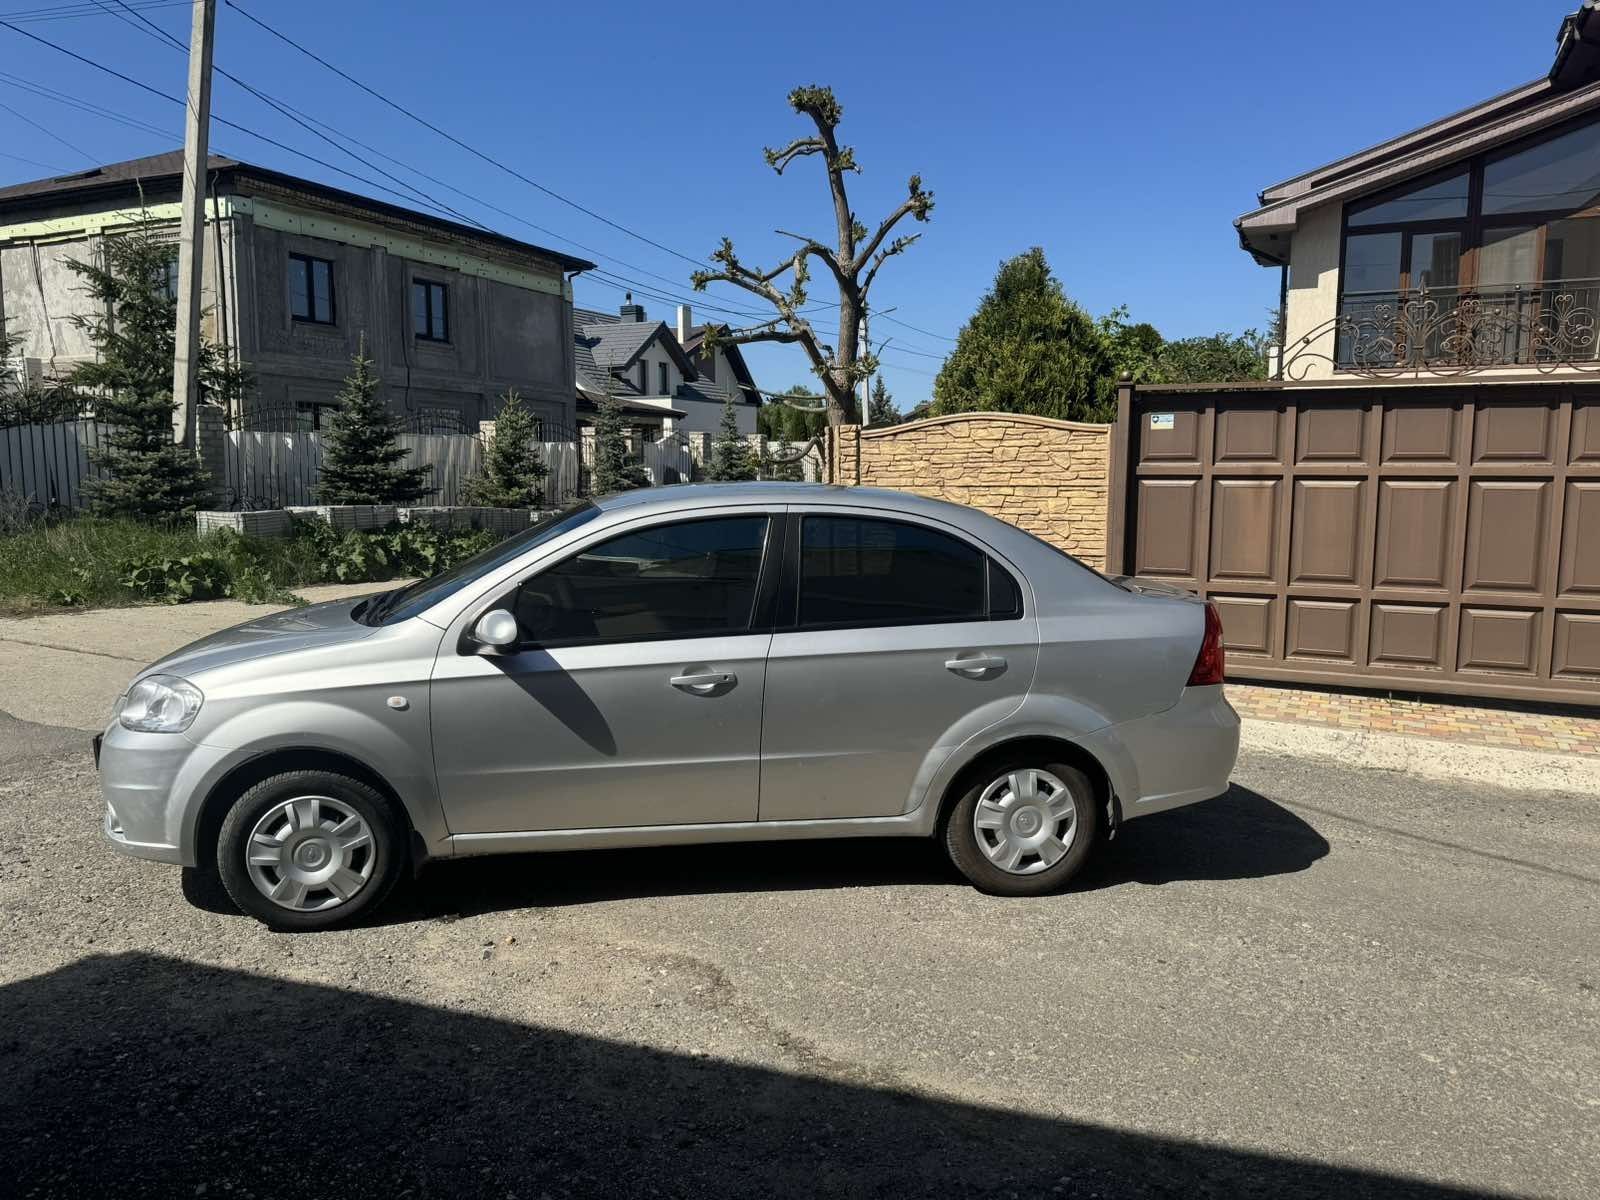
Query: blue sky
(1122, 138)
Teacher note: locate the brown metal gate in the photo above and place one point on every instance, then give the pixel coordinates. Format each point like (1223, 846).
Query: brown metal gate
(1420, 537)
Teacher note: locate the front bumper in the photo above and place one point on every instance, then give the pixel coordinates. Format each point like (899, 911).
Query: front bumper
(150, 785)
(1181, 756)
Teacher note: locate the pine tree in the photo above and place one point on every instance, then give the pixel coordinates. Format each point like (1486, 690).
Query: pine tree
(880, 408)
(148, 475)
(612, 470)
(1027, 349)
(513, 469)
(731, 458)
(360, 460)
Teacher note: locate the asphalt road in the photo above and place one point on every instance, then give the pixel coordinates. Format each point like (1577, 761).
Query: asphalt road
(1333, 982)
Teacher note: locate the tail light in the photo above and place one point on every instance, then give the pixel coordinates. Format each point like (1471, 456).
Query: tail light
(1208, 663)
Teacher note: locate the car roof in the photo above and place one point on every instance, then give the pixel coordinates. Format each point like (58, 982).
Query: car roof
(686, 497)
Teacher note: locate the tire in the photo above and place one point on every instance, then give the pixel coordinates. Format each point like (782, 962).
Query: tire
(330, 847)
(1056, 802)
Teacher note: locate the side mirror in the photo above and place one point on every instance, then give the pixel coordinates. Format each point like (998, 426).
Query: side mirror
(496, 630)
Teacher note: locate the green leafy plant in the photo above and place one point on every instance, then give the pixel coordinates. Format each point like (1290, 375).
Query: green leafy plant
(201, 576)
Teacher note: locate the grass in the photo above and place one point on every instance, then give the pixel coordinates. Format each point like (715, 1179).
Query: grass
(88, 562)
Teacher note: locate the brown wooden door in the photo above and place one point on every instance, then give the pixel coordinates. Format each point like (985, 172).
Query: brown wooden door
(1421, 537)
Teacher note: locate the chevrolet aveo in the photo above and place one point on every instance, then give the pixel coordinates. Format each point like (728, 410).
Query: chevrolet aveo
(687, 664)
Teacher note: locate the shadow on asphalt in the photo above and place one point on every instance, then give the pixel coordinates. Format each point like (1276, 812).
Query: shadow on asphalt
(1241, 835)
(143, 1076)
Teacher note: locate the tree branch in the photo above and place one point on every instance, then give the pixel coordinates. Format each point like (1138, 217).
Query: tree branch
(918, 204)
(898, 246)
(799, 148)
(814, 247)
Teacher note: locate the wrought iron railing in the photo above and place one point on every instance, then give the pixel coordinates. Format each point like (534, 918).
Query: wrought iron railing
(1452, 331)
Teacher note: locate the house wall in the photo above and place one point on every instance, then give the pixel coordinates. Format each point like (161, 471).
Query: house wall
(501, 336)
(1313, 299)
(40, 294)
(653, 357)
(704, 416)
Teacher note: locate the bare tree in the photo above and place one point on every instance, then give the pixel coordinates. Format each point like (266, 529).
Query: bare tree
(854, 264)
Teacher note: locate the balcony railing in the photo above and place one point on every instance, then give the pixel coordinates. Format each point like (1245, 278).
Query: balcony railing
(1451, 331)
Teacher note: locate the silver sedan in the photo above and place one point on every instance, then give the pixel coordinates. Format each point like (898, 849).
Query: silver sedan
(685, 664)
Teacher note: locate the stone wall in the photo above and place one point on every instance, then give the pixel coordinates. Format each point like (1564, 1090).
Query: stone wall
(1049, 477)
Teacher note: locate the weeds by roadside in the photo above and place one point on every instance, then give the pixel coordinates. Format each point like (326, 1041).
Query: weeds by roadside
(85, 561)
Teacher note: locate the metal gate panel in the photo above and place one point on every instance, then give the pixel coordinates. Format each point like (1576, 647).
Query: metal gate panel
(1416, 537)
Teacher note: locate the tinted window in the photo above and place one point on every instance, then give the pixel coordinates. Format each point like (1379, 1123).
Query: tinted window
(1005, 598)
(1432, 202)
(689, 579)
(414, 598)
(860, 571)
(1560, 174)
(430, 311)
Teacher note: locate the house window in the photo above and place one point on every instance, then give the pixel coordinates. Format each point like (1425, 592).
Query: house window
(313, 417)
(311, 289)
(644, 378)
(430, 311)
(1516, 231)
(169, 279)
(663, 380)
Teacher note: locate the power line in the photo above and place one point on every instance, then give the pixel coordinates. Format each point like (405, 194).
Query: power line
(179, 100)
(915, 329)
(451, 138)
(63, 12)
(32, 162)
(37, 89)
(49, 133)
(161, 34)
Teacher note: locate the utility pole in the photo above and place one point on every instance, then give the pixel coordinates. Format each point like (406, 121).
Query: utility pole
(192, 223)
(866, 380)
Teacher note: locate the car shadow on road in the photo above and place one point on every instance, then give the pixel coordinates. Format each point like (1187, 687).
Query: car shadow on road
(144, 1076)
(1241, 835)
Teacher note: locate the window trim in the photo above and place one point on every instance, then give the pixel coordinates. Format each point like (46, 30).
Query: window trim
(427, 286)
(761, 609)
(310, 261)
(788, 619)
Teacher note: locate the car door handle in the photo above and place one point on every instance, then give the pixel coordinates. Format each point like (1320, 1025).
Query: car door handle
(975, 664)
(704, 682)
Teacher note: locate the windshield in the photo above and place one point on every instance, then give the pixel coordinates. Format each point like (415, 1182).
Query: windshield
(406, 602)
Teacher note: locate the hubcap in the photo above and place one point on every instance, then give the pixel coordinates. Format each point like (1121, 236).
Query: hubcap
(1025, 821)
(310, 853)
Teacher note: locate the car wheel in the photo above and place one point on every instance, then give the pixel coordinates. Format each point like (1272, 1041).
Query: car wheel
(309, 849)
(1023, 828)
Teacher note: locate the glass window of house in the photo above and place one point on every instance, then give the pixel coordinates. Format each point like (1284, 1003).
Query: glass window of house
(1372, 262)
(1432, 202)
(311, 289)
(1561, 174)
(430, 311)
(662, 378)
(1435, 260)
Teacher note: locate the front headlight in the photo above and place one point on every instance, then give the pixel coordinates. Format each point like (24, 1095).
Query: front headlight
(160, 704)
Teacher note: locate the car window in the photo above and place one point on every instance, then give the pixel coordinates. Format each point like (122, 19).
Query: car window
(1005, 597)
(858, 571)
(403, 603)
(684, 579)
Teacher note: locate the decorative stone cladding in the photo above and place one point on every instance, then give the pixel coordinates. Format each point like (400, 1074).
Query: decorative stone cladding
(1048, 477)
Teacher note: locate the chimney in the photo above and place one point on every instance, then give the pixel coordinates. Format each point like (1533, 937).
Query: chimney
(629, 310)
(685, 320)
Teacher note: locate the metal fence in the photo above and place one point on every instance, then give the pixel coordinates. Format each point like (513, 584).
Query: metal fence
(46, 465)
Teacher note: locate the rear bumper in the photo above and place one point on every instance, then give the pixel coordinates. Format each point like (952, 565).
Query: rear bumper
(1181, 756)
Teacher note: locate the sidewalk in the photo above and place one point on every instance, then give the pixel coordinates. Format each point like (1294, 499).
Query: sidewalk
(1463, 722)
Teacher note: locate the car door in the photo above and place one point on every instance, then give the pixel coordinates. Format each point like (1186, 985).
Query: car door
(633, 696)
(900, 639)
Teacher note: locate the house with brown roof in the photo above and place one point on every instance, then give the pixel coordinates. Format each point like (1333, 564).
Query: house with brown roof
(1470, 244)
(297, 275)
